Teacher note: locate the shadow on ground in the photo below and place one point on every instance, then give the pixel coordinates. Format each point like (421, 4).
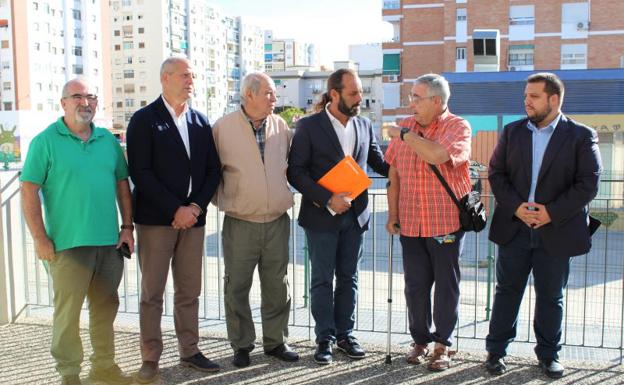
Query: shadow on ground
(25, 359)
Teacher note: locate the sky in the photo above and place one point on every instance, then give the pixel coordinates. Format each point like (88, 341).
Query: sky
(330, 24)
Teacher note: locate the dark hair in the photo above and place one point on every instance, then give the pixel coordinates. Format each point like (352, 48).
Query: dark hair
(552, 84)
(334, 82)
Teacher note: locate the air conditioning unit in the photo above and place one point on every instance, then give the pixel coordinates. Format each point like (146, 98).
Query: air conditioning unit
(512, 68)
(393, 78)
(582, 26)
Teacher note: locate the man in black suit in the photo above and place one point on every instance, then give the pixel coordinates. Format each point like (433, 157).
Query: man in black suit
(333, 224)
(175, 169)
(544, 172)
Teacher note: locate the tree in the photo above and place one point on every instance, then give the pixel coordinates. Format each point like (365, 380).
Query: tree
(291, 115)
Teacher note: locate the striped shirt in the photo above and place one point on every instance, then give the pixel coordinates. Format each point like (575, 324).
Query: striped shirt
(425, 209)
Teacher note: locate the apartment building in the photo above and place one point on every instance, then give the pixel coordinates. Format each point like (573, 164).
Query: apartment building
(503, 35)
(303, 89)
(43, 44)
(288, 54)
(221, 49)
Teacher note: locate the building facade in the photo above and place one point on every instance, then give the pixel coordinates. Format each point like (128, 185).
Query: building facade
(221, 49)
(288, 54)
(506, 35)
(43, 44)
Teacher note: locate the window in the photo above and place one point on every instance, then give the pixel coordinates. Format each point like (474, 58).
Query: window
(521, 15)
(117, 47)
(117, 32)
(143, 103)
(35, 6)
(392, 64)
(141, 45)
(520, 55)
(77, 69)
(128, 18)
(5, 44)
(78, 33)
(128, 74)
(128, 45)
(6, 65)
(142, 89)
(37, 46)
(118, 90)
(141, 30)
(141, 60)
(76, 14)
(119, 104)
(460, 53)
(77, 51)
(126, 3)
(127, 30)
(461, 14)
(95, 53)
(574, 56)
(484, 47)
(8, 106)
(129, 88)
(6, 86)
(128, 59)
(129, 102)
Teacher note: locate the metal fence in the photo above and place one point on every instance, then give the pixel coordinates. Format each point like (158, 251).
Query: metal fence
(594, 301)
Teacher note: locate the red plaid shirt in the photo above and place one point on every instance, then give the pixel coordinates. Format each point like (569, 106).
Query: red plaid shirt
(425, 209)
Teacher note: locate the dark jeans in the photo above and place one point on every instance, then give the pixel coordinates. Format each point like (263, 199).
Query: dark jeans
(427, 260)
(334, 253)
(515, 262)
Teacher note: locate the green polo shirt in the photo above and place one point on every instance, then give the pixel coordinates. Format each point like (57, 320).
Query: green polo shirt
(79, 184)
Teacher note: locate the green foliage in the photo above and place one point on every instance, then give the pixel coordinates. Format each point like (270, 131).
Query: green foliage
(291, 115)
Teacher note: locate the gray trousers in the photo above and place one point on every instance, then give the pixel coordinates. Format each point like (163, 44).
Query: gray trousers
(245, 245)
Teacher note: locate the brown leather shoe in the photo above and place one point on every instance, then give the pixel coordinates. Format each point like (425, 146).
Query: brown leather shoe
(441, 358)
(417, 355)
(148, 372)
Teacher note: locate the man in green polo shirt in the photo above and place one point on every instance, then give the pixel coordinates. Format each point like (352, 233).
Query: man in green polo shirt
(82, 173)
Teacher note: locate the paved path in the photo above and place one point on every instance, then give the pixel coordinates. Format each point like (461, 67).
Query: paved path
(25, 359)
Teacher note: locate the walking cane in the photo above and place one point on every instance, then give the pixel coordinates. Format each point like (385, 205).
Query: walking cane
(389, 338)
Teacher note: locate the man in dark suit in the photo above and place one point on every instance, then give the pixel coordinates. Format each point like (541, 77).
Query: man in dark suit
(333, 224)
(175, 169)
(544, 172)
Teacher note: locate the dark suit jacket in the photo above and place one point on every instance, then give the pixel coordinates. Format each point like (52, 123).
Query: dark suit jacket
(160, 167)
(314, 151)
(568, 181)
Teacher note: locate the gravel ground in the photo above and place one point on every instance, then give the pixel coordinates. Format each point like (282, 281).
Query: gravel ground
(25, 359)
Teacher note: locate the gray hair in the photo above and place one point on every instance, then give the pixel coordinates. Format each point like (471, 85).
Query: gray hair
(65, 90)
(252, 82)
(437, 85)
(168, 64)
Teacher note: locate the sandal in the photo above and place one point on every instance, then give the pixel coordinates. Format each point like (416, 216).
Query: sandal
(441, 359)
(417, 355)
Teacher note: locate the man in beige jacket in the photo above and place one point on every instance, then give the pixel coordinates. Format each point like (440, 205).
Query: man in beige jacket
(253, 146)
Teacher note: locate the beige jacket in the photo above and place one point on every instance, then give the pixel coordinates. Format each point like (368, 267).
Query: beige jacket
(250, 189)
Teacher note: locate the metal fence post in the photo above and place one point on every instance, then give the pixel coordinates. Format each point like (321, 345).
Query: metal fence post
(490, 264)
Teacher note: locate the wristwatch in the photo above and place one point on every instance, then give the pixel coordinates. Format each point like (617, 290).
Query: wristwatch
(127, 227)
(404, 130)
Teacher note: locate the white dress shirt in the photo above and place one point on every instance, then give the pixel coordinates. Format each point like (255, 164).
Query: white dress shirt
(346, 134)
(181, 125)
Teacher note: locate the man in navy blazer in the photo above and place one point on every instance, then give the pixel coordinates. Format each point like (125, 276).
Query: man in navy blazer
(175, 170)
(333, 224)
(544, 172)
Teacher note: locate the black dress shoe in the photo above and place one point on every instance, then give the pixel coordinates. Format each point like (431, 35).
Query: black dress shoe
(495, 364)
(323, 354)
(283, 352)
(241, 358)
(351, 348)
(551, 368)
(199, 362)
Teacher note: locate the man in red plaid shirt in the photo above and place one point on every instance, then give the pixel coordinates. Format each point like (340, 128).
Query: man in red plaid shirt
(431, 237)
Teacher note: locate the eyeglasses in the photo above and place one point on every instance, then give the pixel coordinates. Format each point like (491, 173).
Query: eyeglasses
(78, 97)
(417, 99)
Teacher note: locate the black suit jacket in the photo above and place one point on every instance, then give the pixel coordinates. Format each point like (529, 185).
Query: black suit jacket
(314, 151)
(568, 181)
(160, 168)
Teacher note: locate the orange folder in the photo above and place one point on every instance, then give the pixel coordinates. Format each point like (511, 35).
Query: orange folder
(346, 176)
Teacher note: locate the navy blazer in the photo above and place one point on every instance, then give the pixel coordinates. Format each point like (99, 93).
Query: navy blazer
(314, 151)
(568, 180)
(160, 168)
